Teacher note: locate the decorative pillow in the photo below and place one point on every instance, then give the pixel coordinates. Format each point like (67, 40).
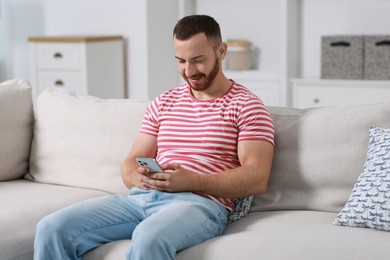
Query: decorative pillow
(369, 203)
(240, 209)
(16, 128)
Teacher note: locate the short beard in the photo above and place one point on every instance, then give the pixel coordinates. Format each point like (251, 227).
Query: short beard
(209, 79)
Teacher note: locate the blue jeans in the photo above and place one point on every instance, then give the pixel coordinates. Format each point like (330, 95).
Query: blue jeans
(158, 223)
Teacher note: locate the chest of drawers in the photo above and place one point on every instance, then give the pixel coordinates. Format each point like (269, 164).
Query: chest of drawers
(317, 93)
(83, 64)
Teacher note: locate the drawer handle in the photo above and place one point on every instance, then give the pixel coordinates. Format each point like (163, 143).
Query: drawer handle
(316, 100)
(57, 55)
(340, 44)
(59, 83)
(383, 43)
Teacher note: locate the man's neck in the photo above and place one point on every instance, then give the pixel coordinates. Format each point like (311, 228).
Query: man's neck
(219, 88)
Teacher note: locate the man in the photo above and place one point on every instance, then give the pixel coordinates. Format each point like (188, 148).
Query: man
(214, 140)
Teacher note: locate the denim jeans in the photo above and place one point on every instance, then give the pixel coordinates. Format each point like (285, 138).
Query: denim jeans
(158, 223)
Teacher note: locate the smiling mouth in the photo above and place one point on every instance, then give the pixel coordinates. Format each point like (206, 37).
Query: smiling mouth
(195, 79)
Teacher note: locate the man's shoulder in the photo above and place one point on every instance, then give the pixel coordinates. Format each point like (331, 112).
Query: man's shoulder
(171, 96)
(242, 94)
(178, 91)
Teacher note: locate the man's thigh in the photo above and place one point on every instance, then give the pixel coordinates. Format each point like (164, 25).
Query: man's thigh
(182, 224)
(90, 223)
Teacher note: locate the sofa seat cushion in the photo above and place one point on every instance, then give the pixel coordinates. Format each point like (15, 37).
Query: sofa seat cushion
(278, 235)
(16, 128)
(23, 204)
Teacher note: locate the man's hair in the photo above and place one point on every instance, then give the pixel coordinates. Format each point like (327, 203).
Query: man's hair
(194, 24)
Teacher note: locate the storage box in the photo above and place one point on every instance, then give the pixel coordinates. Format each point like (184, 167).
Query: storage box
(342, 57)
(377, 57)
(239, 55)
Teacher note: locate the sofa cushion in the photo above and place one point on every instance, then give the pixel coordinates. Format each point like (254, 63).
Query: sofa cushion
(81, 141)
(303, 235)
(16, 128)
(23, 204)
(319, 155)
(369, 203)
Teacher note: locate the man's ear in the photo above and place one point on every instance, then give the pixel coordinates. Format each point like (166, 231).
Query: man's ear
(222, 50)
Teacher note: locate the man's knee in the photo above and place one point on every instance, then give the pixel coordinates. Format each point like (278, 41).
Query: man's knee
(151, 244)
(48, 229)
(147, 236)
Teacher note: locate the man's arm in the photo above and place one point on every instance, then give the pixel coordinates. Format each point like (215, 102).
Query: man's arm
(144, 146)
(248, 179)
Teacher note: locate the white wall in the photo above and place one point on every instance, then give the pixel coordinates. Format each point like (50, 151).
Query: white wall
(255, 20)
(94, 17)
(147, 26)
(162, 70)
(18, 20)
(129, 18)
(4, 44)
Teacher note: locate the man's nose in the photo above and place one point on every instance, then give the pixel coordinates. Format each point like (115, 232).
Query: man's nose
(189, 70)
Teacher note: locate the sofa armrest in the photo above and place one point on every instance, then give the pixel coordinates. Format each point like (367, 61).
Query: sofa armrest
(16, 128)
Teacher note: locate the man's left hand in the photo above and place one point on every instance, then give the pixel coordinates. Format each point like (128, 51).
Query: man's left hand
(174, 179)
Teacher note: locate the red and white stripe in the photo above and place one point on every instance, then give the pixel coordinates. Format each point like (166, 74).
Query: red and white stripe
(202, 135)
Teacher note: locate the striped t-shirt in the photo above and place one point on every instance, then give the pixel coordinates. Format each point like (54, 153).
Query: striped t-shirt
(202, 135)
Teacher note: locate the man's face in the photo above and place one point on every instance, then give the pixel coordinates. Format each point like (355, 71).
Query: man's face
(197, 61)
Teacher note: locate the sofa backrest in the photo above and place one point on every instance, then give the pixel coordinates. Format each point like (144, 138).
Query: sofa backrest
(319, 155)
(81, 141)
(16, 128)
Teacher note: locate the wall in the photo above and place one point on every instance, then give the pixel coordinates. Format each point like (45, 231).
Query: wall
(18, 19)
(147, 26)
(162, 71)
(23, 18)
(4, 44)
(257, 21)
(93, 17)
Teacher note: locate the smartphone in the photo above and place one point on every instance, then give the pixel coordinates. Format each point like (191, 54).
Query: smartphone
(151, 163)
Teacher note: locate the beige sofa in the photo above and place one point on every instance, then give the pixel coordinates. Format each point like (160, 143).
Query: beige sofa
(73, 149)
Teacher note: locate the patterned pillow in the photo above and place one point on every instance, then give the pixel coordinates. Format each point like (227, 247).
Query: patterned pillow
(369, 203)
(240, 209)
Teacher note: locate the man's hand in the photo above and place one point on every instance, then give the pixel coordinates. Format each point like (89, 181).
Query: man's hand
(174, 179)
(132, 177)
(248, 179)
(132, 174)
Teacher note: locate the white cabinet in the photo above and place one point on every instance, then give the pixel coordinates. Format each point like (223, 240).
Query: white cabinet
(85, 65)
(317, 93)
